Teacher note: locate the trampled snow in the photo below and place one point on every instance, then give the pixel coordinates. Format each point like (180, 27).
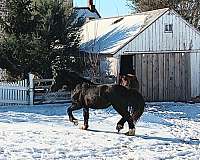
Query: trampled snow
(165, 131)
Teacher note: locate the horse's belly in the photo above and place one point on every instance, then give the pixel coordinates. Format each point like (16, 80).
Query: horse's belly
(99, 107)
(98, 103)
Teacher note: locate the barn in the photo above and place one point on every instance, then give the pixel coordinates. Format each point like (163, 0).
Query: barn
(160, 46)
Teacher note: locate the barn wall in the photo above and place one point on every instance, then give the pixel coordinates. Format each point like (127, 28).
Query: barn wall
(155, 39)
(183, 38)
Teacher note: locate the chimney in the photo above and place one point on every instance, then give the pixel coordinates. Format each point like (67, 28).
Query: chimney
(91, 5)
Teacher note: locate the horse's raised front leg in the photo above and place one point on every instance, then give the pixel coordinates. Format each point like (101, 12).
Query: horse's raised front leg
(120, 124)
(71, 117)
(86, 117)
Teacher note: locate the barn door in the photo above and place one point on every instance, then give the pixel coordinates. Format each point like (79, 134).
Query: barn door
(126, 65)
(164, 77)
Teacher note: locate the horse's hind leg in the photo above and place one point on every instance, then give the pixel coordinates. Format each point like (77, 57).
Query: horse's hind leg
(125, 117)
(71, 117)
(131, 124)
(86, 117)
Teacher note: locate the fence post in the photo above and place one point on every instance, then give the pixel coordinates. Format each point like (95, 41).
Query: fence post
(31, 89)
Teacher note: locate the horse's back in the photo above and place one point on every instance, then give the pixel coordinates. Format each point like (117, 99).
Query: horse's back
(124, 96)
(117, 94)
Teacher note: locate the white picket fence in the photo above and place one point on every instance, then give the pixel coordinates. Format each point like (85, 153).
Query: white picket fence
(27, 92)
(16, 93)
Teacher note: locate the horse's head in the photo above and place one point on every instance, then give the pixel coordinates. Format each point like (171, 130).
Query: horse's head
(64, 78)
(69, 78)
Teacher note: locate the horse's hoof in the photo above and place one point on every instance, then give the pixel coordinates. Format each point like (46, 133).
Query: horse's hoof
(75, 122)
(84, 127)
(131, 132)
(119, 127)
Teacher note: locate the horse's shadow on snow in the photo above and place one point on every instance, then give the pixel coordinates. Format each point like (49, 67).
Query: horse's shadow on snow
(147, 137)
(101, 131)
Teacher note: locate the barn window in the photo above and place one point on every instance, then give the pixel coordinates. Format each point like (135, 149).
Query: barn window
(168, 28)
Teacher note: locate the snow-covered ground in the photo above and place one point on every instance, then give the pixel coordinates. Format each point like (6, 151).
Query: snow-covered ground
(165, 131)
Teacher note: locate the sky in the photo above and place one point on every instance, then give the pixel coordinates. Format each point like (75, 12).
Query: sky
(107, 8)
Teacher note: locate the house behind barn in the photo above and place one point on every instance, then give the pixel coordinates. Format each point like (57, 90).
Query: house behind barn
(162, 48)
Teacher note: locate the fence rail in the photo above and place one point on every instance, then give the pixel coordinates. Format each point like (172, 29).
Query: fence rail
(43, 93)
(32, 91)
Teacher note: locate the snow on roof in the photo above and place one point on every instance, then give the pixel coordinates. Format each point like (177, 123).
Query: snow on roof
(108, 35)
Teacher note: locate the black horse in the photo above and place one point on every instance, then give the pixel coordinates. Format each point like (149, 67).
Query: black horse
(89, 95)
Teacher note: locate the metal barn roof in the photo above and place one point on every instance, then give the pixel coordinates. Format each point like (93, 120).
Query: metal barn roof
(108, 35)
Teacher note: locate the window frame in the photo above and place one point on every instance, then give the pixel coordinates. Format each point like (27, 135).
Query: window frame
(168, 28)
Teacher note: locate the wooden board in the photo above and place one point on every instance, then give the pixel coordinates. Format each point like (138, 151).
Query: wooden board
(139, 70)
(171, 80)
(150, 77)
(161, 77)
(144, 76)
(155, 82)
(177, 77)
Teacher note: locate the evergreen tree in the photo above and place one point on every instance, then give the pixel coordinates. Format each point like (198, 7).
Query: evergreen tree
(39, 35)
(19, 18)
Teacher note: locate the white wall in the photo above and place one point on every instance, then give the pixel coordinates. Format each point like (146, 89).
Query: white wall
(109, 66)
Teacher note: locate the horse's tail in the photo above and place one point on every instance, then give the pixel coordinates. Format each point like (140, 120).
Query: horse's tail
(138, 104)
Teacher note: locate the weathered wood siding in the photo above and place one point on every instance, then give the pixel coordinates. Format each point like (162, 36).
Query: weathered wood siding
(164, 77)
(195, 74)
(154, 39)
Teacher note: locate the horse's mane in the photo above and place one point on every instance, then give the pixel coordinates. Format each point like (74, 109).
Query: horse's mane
(79, 79)
(72, 78)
